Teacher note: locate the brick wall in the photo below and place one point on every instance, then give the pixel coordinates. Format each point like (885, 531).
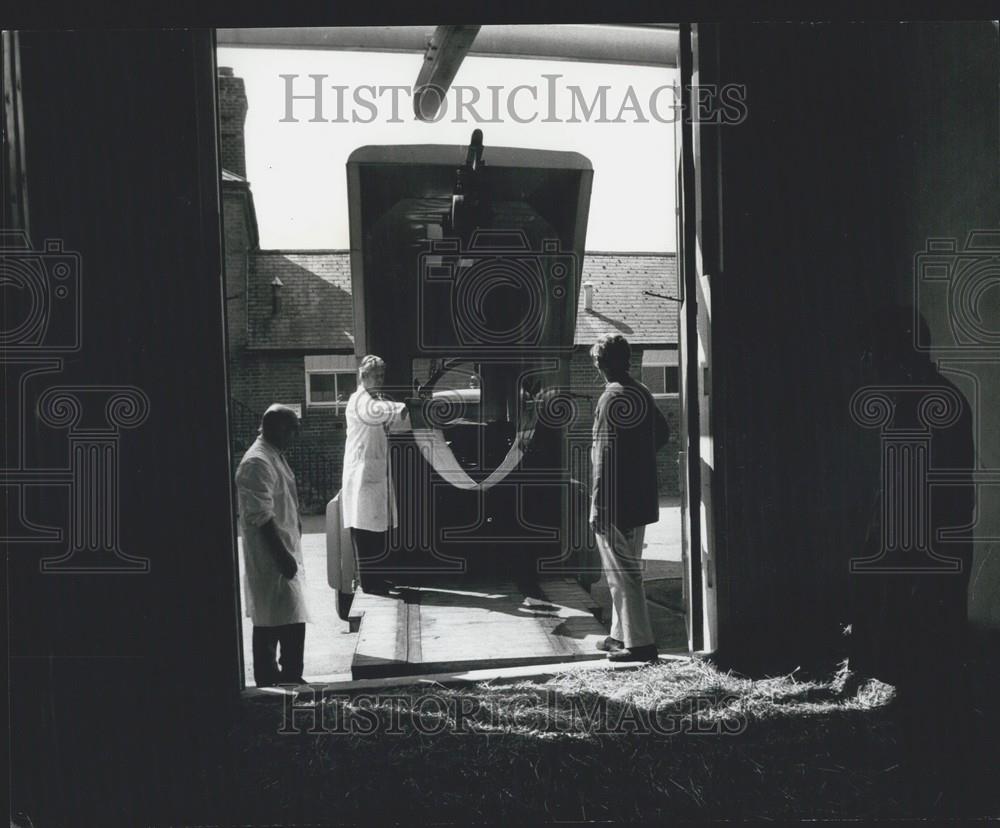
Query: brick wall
(237, 242)
(258, 379)
(584, 379)
(667, 469)
(232, 115)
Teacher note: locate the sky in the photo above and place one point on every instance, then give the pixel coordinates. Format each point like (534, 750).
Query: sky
(297, 171)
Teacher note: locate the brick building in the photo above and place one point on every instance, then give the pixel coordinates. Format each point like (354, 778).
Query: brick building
(290, 326)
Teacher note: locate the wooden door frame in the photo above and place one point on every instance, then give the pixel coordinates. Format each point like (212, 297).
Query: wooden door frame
(699, 257)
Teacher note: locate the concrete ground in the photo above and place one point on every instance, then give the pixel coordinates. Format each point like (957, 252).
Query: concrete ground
(662, 577)
(330, 644)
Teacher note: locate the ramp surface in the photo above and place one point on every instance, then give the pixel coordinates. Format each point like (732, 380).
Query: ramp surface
(473, 624)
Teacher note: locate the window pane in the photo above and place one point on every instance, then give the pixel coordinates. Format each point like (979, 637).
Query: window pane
(422, 369)
(672, 379)
(458, 378)
(659, 356)
(323, 388)
(653, 378)
(346, 385)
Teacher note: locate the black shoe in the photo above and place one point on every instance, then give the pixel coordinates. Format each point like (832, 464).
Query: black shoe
(610, 645)
(344, 602)
(377, 586)
(646, 653)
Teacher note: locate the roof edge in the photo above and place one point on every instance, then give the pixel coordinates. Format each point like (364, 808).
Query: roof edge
(314, 350)
(300, 251)
(667, 254)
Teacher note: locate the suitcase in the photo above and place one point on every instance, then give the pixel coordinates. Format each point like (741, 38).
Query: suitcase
(340, 565)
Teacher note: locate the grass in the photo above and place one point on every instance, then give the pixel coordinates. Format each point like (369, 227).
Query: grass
(579, 747)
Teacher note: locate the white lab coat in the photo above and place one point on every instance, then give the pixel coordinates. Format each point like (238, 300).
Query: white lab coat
(266, 490)
(367, 499)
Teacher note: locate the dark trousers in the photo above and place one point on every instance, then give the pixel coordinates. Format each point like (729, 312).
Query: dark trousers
(369, 552)
(292, 638)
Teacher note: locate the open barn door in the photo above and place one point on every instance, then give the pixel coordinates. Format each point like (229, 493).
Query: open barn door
(697, 244)
(15, 174)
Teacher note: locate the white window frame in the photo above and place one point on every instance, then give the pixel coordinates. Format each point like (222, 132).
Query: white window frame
(662, 358)
(328, 364)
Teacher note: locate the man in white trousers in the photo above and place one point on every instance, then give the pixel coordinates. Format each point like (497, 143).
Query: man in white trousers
(628, 431)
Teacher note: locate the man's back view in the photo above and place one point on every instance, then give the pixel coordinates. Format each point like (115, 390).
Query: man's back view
(628, 431)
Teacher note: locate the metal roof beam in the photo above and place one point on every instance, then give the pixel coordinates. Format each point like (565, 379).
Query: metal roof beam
(652, 45)
(444, 55)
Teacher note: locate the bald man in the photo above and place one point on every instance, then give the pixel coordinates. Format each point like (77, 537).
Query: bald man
(269, 523)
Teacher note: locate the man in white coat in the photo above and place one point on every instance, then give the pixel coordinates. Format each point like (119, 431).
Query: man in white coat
(368, 502)
(272, 549)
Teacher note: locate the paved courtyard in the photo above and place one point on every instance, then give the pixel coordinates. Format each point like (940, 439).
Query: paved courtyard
(330, 644)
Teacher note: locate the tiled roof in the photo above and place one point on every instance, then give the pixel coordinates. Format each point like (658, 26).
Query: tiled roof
(316, 310)
(620, 302)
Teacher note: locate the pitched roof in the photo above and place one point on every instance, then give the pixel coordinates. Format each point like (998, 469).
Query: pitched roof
(317, 314)
(621, 303)
(316, 310)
